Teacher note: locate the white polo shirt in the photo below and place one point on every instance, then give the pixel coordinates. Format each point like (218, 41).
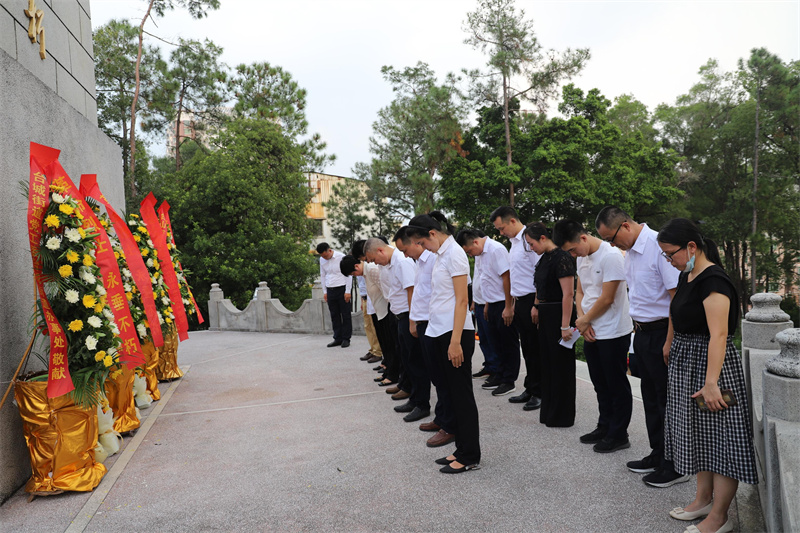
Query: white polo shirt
(421, 299)
(451, 261)
(649, 277)
(604, 265)
(523, 265)
(494, 263)
(401, 277)
(372, 277)
(331, 276)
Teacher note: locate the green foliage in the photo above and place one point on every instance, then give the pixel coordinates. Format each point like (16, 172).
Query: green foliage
(196, 8)
(239, 216)
(790, 305)
(347, 213)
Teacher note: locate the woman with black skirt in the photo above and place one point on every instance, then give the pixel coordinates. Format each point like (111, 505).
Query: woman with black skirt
(714, 440)
(554, 313)
(451, 329)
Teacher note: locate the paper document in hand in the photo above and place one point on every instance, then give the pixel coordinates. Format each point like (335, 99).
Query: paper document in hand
(571, 342)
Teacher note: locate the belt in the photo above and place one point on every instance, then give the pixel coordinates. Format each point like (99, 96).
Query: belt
(651, 326)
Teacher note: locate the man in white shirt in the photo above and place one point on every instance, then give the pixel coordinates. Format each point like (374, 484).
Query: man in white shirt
(493, 267)
(336, 292)
(523, 264)
(651, 286)
(397, 279)
(601, 300)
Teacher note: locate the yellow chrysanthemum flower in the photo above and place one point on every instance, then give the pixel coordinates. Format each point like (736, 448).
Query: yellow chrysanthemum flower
(65, 271)
(116, 373)
(155, 254)
(168, 320)
(156, 274)
(99, 355)
(66, 209)
(52, 221)
(156, 264)
(163, 293)
(145, 252)
(82, 232)
(116, 255)
(137, 238)
(169, 246)
(72, 256)
(87, 260)
(107, 361)
(141, 229)
(79, 215)
(76, 325)
(56, 188)
(129, 295)
(99, 307)
(89, 300)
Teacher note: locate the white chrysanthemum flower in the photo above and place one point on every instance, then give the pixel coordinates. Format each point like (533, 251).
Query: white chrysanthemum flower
(127, 287)
(95, 321)
(57, 198)
(72, 296)
(53, 243)
(91, 342)
(154, 280)
(127, 273)
(100, 290)
(142, 330)
(150, 262)
(72, 234)
(108, 314)
(165, 300)
(185, 301)
(150, 243)
(160, 318)
(91, 252)
(87, 276)
(114, 329)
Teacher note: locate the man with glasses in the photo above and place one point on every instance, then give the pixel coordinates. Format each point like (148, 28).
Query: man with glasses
(651, 286)
(523, 263)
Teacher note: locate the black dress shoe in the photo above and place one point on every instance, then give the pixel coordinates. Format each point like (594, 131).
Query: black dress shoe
(533, 404)
(345, 343)
(595, 436)
(365, 357)
(374, 359)
(405, 408)
(522, 398)
(417, 414)
(334, 343)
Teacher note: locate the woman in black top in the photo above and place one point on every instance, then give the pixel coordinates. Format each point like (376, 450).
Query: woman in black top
(553, 311)
(716, 444)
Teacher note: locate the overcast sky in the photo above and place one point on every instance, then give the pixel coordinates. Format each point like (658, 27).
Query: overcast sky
(335, 48)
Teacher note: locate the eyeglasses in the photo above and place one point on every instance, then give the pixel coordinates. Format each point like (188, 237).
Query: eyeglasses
(668, 257)
(611, 240)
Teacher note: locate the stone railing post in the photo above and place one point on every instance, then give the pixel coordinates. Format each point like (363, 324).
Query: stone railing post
(263, 294)
(215, 296)
(781, 382)
(316, 290)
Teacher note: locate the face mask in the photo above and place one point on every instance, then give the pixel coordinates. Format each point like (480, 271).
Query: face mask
(689, 264)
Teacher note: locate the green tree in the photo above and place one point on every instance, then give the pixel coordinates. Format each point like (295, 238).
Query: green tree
(518, 67)
(239, 215)
(347, 212)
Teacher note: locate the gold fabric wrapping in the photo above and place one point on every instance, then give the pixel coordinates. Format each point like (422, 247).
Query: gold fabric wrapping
(119, 392)
(151, 356)
(168, 357)
(61, 438)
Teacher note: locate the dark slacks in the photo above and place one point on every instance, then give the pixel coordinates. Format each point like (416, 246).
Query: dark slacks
(341, 318)
(458, 382)
(558, 370)
(491, 363)
(413, 364)
(443, 411)
(529, 341)
(386, 330)
(607, 361)
(506, 343)
(648, 349)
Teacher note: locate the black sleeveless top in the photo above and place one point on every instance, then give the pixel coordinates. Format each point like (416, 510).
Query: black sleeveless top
(686, 309)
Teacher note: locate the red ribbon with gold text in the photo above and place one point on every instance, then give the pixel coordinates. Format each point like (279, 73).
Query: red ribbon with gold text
(131, 351)
(59, 382)
(166, 224)
(139, 271)
(148, 212)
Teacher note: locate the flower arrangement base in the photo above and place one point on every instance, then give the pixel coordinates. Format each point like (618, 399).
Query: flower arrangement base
(119, 391)
(152, 357)
(167, 369)
(61, 437)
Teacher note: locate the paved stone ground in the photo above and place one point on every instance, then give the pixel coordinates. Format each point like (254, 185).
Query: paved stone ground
(275, 432)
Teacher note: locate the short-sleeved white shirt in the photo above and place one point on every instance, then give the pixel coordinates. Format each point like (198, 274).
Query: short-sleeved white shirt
(451, 261)
(331, 275)
(372, 276)
(604, 265)
(649, 276)
(477, 294)
(523, 265)
(421, 299)
(494, 263)
(401, 270)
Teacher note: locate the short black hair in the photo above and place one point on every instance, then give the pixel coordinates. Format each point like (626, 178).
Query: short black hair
(567, 231)
(323, 247)
(611, 216)
(505, 212)
(348, 265)
(468, 235)
(358, 248)
(402, 236)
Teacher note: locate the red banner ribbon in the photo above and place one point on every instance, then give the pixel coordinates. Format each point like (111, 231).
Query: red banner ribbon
(59, 382)
(166, 224)
(150, 218)
(139, 271)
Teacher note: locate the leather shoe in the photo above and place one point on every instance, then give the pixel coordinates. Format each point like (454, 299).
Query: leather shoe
(374, 359)
(334, 343)
(450, 470)
(522, 398)
(393, 390)
(440, 439)
(401, 395)
(429, 426)
(417, 414)
(405, 408)
(346, 343)
(365, 357)
(533, 404)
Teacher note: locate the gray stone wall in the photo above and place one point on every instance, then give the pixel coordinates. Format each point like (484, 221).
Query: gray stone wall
(38, 104)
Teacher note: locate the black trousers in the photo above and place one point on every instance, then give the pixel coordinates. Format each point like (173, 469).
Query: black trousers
(558, 370)
(414, 369)
(648, 350)
(341, 318)
(505, 343)
(443, 411)
(607, 360)
(458, 382)
(529, 341)
(386, 330)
